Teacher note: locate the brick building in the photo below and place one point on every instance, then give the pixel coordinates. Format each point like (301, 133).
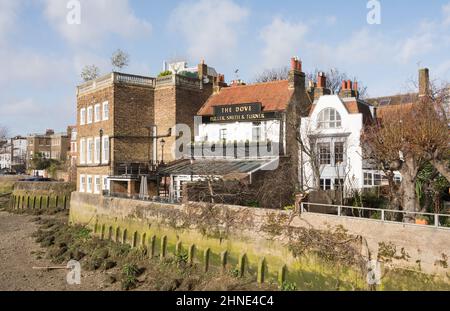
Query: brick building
(124, 126)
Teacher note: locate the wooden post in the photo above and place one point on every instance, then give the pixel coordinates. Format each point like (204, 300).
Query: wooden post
(178, 248)
(102, 234)
(224, 260)
(135, 237)
(191, 254)
(152, 243)
(163, 247)
(124, 236)
(206, 256)
(282, 275)
(261, 270)
(144, 240)
(242, 263)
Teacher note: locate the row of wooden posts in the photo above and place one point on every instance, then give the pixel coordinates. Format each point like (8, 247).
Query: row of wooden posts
(191, 252)
(38, 202)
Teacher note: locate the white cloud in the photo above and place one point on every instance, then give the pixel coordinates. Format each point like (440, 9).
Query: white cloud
(8, 16)
(446, 12)
(22, 107)
(211, 28)
(282, 40)
(27, 66)
(99, 19)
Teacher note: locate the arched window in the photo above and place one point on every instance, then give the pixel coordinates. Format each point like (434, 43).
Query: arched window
(329, 118)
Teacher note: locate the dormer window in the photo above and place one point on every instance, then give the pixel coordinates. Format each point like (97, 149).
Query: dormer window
(329, 118)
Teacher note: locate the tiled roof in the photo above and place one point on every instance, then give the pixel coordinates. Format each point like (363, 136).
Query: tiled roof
(393, 104)
(391, 109)
(274, 96)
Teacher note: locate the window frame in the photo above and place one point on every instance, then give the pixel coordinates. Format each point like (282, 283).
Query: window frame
(82, 116)
(82, 183)
(89, 115)
(89, 184)
(99, 184)
(105, 117)
(320, 154)
(105, 150)
(325, 120)
(336, 163)
(89, 150)
(97, 113)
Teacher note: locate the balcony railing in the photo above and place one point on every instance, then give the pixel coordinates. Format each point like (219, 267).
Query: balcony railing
(134, 169)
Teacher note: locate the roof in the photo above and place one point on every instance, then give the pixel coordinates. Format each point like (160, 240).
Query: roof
(354, 106)
(214, 167)
(393, 104)
(274, 96)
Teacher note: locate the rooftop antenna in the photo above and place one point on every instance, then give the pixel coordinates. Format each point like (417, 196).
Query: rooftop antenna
(236, 73)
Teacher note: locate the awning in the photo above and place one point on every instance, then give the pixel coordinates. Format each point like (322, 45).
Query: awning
(217, 167)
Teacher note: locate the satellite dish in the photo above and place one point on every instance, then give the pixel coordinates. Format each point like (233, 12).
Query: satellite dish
(206, 80)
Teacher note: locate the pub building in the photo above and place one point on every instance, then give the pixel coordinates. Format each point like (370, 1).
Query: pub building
(245, 132)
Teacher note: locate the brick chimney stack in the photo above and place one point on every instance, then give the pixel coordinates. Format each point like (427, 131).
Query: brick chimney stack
(424, 82)
(349, 89)
(321, 88)
(296, 76)
(202, 69)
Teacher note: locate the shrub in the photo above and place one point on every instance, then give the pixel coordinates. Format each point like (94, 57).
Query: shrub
(165, 73)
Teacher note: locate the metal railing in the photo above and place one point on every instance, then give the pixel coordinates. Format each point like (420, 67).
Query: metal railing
(133, 169)
(138, 197)
(441, 221)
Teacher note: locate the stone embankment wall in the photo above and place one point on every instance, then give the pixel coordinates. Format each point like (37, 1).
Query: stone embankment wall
(7, 183)
(260, 241)
(41, 195)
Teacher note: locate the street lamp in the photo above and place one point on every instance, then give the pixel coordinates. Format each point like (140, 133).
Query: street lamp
(162, 142)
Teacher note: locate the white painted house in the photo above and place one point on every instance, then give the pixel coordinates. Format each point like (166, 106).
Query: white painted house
(332, 136)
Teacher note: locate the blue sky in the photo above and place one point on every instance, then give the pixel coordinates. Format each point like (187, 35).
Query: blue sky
(41, 55)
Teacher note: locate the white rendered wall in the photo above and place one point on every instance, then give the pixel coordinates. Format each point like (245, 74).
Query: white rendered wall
(349, 132)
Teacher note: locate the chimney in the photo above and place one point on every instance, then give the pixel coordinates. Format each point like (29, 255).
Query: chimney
(321, 80)
(202, 70)
(296, 76)
(321, 88)
(349, 89)
(424, 82)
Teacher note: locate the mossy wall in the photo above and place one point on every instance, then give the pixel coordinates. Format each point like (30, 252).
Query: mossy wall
(7, 183)
(239, 245)
(41, 195)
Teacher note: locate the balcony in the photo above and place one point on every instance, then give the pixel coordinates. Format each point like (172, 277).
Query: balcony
(133, 170)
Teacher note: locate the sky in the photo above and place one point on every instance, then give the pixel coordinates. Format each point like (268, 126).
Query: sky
(41, 54)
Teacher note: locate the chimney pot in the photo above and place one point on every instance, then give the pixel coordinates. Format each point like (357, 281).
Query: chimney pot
(293, 63)
(321, 80)
(355, 86)
(349, 85)
(344, 85)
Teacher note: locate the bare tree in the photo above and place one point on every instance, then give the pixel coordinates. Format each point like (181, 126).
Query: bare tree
(3, 132)
(274, 74)
(407, 140)
(334, 78)
(120, 59)
(334, 81)
(90, 72)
